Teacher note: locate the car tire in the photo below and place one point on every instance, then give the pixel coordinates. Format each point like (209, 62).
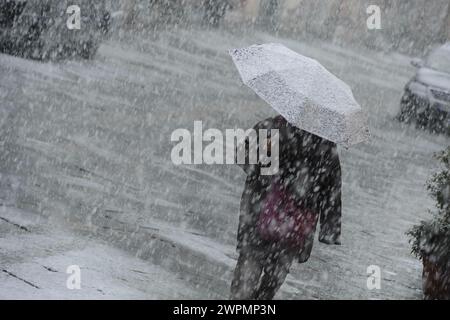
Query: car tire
(438, 122)
(30, 45)
(423, 120)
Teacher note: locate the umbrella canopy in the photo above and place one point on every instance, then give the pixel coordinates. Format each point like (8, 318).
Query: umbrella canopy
(303, 91)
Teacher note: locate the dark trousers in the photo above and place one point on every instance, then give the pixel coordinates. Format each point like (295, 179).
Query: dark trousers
(260, 273)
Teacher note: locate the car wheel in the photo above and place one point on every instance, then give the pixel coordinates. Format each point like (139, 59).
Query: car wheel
(424, 120)
(407, 108)
(31, 46)
(438, 122)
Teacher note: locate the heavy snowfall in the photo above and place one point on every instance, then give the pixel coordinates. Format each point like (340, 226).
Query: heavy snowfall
(86, 177)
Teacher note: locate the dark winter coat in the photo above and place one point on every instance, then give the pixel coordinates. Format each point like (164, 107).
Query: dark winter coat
(309, 166)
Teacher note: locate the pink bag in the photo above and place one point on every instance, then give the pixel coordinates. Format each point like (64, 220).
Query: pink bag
(281, 220)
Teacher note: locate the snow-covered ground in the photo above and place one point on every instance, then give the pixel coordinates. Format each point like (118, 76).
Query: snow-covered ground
(86, 177)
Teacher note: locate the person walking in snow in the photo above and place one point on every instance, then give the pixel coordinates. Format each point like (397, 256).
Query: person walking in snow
(279, 213)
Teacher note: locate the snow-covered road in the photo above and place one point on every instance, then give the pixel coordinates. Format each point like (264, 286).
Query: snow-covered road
(85, 167)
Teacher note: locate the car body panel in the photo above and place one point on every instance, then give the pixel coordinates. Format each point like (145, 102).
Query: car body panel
(433, 78)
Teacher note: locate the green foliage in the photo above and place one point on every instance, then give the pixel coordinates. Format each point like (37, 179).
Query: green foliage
(431, 238)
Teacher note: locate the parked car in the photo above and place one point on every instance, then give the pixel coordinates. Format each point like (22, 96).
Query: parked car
(38, 29)
(427, 95)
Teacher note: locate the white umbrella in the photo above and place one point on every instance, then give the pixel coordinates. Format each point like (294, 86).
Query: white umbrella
(303, 91)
